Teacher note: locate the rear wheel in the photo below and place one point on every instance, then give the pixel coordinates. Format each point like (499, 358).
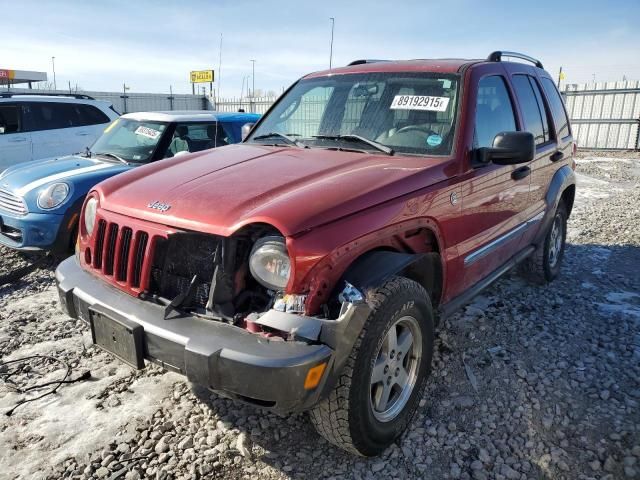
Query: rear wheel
(544, 264)
(379, 390)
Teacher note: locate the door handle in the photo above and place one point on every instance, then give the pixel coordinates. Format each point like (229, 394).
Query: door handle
(556, 156)
(520, 173)
(18, 139)
(82, 134)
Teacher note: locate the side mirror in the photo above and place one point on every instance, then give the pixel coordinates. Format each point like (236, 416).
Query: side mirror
(246, 129)
(509, 148)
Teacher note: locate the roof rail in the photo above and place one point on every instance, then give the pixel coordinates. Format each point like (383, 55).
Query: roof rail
(497, 57)
(365, 60)
(79, 96)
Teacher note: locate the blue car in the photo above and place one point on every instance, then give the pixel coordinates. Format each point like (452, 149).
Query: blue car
(40, 201)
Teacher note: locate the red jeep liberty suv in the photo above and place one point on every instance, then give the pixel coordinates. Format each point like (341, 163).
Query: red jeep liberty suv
(307, 267)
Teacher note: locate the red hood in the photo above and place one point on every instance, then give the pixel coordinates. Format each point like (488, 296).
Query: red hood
(293, 189)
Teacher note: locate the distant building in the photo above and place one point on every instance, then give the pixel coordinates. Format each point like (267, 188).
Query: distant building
(12, 78)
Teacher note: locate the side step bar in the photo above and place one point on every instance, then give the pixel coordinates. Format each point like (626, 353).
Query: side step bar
(461, 300)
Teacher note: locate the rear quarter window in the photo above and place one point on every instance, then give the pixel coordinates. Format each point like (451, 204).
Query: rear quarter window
(557, 108)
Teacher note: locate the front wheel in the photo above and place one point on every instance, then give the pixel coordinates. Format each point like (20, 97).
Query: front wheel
(380, 388)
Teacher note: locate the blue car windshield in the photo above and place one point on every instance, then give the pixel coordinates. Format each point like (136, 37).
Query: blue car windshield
(131, 140)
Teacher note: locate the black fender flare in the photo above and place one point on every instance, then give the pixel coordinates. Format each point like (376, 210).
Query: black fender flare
(562, 179)
(375, 267)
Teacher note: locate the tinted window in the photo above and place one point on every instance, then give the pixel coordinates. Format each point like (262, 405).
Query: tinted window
(49, 116)
(557, 108)
(534, 114)
(90, 115)
(9, 119)
(494, 112)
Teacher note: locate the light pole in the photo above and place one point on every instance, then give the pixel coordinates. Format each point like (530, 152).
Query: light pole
(53, 64)
(220, 66)
(253, 88)
(333, 22)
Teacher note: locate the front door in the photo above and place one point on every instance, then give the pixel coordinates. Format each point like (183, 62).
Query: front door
(494, 197)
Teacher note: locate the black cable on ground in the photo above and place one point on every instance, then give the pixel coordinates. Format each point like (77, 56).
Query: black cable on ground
(55, 384)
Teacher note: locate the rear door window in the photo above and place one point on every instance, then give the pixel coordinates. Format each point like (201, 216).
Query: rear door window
(9, 118)
(90, 115)
(51, 116)
(494, 111)
(535, 118)
(557, 108)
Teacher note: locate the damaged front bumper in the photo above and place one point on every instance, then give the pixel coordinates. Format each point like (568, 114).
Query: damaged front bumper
(228, 359)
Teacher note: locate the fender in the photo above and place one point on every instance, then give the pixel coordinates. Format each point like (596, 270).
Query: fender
(562, 179)
(374, 268)
(62, 244)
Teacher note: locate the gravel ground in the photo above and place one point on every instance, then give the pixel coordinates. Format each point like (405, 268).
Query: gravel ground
(529, 382)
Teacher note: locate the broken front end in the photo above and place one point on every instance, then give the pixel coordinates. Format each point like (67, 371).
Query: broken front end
(210, 307)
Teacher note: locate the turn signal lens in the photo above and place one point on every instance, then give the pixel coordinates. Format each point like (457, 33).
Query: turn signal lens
(314, 376)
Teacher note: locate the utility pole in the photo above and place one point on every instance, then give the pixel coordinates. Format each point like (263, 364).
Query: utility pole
(53, 64)
(124, 95)
(559, 77)
(333, 21)
(253, 88)
(220, 66)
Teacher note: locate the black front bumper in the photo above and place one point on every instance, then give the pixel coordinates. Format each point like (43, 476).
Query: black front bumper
(219, 356)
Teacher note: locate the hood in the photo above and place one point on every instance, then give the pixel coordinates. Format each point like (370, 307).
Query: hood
(293, 189)
(23, 178)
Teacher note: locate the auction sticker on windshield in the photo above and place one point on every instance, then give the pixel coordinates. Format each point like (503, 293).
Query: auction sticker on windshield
(147, 132)
(419, 102)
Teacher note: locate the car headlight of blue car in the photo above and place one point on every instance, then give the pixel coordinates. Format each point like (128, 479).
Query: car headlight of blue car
(53, 196)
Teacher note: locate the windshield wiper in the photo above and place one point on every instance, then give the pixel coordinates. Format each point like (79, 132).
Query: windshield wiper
(112, 155)
(357, 138)
(288, 138)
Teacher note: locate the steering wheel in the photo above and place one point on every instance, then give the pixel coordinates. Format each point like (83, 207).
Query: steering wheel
(410, 128)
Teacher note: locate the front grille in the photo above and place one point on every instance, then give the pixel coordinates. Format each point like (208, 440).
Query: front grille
(120, 253)
(12, 203)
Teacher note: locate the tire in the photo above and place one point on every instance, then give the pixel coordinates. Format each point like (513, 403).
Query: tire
(353, 417)
(544, 264)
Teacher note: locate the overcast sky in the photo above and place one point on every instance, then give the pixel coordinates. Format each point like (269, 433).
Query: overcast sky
(153, 44)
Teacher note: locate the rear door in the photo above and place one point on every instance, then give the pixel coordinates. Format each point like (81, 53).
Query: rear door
(59, 129)
(15, 143)
(536, 120)
(494, 197)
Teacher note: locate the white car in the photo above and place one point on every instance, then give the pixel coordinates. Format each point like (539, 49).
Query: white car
(40, 126)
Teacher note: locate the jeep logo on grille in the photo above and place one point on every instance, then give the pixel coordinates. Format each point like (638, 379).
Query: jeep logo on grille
(163, 207)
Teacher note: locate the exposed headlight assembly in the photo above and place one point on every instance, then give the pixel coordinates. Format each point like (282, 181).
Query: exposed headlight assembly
(53, 196)
(90, 209)
(269, 263)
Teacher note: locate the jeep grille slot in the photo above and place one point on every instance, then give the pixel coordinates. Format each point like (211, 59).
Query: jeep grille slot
(97, 258)
(123, 254)
(138, 258)
(110, 249)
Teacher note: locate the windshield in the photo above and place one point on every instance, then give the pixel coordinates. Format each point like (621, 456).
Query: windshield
(410, 113)
(131, 140)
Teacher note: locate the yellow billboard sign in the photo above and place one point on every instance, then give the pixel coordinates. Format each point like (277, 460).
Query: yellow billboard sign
(202, 76)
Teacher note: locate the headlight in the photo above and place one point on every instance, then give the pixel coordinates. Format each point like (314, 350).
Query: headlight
(90, 209)
(53, 196)
(269, 263)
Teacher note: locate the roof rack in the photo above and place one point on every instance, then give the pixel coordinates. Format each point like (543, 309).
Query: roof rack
(365, 60)
(497, 57)
(79, 96)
